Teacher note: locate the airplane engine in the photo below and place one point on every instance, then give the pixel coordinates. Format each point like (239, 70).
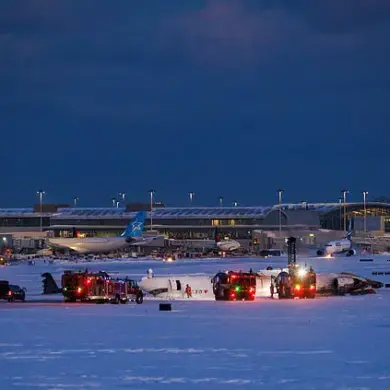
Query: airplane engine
(351, 252)
(320, 252)
(343, 285)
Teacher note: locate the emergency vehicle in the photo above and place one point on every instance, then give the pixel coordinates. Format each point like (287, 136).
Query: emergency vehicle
(98, 287)
(234, 286)
(299, 282)
(11, 292)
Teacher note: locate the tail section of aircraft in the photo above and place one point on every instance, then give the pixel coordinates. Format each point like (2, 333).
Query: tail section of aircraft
(49, 284)
(135, 227)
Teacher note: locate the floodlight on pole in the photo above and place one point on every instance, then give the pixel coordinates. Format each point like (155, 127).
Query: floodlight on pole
(365, 193)
(191, 195)
(40, 193)
(151, 193)
(341, 212)
(280, 193)
(345, 192)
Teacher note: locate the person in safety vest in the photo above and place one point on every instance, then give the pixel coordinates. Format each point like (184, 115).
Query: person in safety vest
(188, 291)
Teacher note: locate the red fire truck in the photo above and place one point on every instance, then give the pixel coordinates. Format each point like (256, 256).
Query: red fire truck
(297, 283)
(234, 286)
(99, 287)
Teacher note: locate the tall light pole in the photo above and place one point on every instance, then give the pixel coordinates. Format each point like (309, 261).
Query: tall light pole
(345, 192)
(191, 195)
(123, 196)
(365, 193)
(341, 211)
(280, 192)
(117, 203)
(220, 201)
(235, 203)
(40, 193)
(75, 200)
(113, 202)
(151, 192)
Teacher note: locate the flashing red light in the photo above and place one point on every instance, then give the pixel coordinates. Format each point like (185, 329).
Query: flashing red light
(9, 292)
(79, 290)
(88, 281)
(251, 289)
(298, 287)
(312, 287)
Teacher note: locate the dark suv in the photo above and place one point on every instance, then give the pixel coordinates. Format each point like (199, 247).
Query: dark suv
(11, 292)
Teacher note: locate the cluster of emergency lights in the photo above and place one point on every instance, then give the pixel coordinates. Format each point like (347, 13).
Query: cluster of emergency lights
(298, 287)
(238, 289)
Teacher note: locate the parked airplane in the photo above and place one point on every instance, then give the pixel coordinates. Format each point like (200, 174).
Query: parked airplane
(343, 246)
(228, 245)
(131, 236)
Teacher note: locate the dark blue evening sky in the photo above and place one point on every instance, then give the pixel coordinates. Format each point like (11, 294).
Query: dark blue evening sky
(231, 98)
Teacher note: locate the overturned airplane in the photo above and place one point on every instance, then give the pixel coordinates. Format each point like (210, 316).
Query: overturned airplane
(202, 286)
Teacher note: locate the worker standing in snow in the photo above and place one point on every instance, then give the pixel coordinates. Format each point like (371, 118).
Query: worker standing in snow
(188, 291)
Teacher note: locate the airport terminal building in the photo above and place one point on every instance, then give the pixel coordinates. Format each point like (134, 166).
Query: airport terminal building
(191, 223)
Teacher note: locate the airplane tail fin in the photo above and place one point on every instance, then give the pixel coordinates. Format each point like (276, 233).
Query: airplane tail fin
(49, 284)
(135, 227)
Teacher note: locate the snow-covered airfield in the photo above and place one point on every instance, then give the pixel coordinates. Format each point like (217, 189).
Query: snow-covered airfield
(325, 343)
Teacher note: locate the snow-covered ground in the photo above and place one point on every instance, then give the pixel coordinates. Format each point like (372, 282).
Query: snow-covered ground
(327, 343)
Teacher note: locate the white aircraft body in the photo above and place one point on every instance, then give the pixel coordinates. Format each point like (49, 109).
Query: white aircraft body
(131, 236)
(172, 287)
(226, 245)
(343, 246)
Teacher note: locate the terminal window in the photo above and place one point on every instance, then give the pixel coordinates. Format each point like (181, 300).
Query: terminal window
(387, 225)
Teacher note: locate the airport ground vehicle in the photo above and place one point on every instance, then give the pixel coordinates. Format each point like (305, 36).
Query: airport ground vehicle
(11, 292)
(234, 286)
(297, 283)
(99, 287)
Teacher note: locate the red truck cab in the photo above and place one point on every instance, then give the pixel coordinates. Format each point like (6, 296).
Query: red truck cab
(234, 286)
(99, 287)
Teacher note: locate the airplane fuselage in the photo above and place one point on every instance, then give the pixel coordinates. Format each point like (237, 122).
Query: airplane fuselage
(173, 287)
(91, 245)
(228, 245)
(339, 246)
